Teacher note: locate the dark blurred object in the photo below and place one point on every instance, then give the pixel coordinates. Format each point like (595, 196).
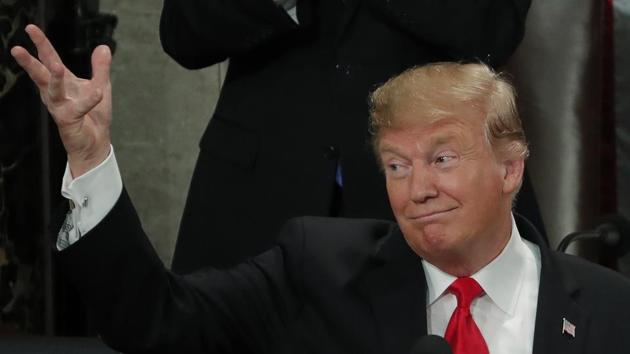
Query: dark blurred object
(53, 345)
(613, 235)
(431, 344)
(33, 298)
(20, 223)
(14, 15)
(93, 28)
(75, 28)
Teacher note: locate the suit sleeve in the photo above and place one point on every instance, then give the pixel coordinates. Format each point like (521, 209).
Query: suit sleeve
(140, 307)
(486, 30)
(199, 33)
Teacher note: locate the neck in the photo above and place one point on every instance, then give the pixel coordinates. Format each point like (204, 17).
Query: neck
(466, 262)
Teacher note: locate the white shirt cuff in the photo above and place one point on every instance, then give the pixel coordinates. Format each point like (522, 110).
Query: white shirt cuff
(91, 197)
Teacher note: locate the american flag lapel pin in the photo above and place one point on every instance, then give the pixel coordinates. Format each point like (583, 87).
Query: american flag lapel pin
(568, 327)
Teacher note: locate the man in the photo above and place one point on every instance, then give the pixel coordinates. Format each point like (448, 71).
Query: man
(289, 132)
(450, 142)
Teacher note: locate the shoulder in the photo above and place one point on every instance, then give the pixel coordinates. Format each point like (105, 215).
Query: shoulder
(597, 284)
(602, 296)
(324, 243)
(334, 234)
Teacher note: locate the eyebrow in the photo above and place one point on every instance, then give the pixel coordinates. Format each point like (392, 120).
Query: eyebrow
(442, 139)
(434, 141)
(390, 149)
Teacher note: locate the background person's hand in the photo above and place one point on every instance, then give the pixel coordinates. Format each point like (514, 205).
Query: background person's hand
(82, 109)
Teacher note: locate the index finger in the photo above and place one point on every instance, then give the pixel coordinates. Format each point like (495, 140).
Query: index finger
(36, 70)
(45, 51)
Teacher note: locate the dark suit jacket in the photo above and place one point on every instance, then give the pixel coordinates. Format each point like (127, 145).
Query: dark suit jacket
(330, 286)
(294, 105)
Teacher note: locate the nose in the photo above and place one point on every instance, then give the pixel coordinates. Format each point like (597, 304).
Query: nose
(423, 186)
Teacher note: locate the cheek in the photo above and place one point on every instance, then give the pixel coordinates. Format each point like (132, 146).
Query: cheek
(470, 186)
(488, 190)
(481, 197)
(397, 196)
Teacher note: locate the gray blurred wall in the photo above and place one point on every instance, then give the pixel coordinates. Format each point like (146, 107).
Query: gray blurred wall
(160, 111)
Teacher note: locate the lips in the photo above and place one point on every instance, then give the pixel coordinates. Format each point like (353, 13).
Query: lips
(431, 215)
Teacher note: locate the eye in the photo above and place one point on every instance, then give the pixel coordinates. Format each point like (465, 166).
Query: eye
(445, 159)
(393, 167)
(396, 170)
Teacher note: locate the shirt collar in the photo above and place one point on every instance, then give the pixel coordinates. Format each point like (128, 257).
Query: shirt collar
(501, 279)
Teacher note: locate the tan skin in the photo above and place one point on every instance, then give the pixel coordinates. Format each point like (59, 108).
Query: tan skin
(82, 109)
(450, 193)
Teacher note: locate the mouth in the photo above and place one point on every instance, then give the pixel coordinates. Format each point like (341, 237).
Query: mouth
(431, 216)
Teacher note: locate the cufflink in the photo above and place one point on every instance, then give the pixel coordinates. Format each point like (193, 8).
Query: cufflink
(84, 203)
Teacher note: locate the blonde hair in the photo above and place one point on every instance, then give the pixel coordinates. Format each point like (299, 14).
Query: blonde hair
(437, 90)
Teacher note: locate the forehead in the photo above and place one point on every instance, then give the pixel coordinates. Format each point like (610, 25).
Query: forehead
(425, 135)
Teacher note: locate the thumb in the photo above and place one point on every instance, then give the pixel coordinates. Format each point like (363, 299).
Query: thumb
(101, 64)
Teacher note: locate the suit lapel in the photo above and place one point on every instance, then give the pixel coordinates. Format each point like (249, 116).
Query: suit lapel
(557, 296)
(555, 303)
(396, 286)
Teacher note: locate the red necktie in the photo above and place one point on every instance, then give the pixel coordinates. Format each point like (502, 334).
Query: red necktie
(462, 333)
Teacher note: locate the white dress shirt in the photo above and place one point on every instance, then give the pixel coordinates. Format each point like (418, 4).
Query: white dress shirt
(506, 313)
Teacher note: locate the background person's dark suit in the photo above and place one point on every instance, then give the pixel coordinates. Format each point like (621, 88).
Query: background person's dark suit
(293, 105)
(331, 286)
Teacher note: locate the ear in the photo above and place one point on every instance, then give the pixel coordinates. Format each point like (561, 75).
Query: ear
(512, 175)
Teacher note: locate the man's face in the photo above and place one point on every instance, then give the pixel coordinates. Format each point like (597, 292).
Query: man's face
(447, 189)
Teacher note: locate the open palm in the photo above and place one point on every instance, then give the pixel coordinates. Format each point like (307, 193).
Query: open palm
(82, 109)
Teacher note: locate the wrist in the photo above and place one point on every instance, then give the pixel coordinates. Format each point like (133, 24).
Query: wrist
(80, 164)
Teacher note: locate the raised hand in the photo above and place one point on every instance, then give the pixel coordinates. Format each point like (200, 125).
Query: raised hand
(82, 109)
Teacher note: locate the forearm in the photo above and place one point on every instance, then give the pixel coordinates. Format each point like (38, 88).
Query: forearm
(123, 284)
(138, 306)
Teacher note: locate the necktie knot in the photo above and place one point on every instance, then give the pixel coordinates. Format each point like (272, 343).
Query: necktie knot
(465, 290)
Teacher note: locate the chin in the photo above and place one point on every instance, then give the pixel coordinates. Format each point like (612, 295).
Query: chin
(432, 239)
